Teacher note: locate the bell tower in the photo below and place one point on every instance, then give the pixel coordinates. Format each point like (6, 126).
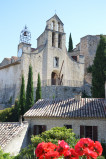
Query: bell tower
(56, 32)
(24, 44)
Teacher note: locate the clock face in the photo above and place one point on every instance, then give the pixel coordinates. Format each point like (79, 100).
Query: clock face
(19, 52)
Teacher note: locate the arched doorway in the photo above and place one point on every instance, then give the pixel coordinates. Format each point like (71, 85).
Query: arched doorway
(54, 78)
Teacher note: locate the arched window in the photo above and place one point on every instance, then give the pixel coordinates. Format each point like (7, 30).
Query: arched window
(59, 41)
(54, 78)
(55, 62)
(58, 26)
(53, 39)
(53, 25)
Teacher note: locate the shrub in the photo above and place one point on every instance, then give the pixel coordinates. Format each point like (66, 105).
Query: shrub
(9, 114)
(55, 134)
(5, 155)
(104, 149)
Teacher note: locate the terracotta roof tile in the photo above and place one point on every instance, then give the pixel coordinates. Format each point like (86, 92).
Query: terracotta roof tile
(8, 131)
(85, 108)
(15, 58)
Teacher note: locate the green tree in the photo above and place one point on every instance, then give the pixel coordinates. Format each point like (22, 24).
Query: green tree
(99, 70)
(38, 89)
(22, 98)
(29, 91)
(70, 47)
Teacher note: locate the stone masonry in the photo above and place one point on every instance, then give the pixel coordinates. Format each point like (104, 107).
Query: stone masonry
(50, 59)
(54, 122)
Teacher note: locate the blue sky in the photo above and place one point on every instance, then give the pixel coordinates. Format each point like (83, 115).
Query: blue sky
(80, 17)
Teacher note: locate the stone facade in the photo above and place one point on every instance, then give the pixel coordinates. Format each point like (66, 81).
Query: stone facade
(87, 47)
(50, 59)
(60, 122)
(10, 80)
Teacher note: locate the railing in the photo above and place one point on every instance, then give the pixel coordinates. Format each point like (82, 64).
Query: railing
(57, 82)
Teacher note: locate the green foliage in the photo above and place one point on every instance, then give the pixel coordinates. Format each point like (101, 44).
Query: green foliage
(9, 114)
(99, 69)
(84, 95)
(22, 98)
(5, 155)
(10, 101)
(55, 134)
(70, 47)
(104, 149)
(26, 153)
(89, 69)
(29, 91)
(38, 89)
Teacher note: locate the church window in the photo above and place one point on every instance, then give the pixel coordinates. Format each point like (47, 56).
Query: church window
(56, 62)
(58, 26)
(53, 25)
(53, 39)
(59, 41)
(54, 78)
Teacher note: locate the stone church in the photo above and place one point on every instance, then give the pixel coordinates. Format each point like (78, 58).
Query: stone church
(62, 74)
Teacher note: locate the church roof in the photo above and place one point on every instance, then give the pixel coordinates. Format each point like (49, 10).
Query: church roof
(55, 16)
(69, 108)
(8, 131)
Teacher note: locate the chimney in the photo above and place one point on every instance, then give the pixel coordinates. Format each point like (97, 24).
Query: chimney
(78, 97)
(105, 89)
(20, 119)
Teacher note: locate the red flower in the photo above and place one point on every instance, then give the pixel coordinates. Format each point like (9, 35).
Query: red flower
(62, 148)
(90, 154)
(71, 154)
(74, 155)
(39, 150)
(49, 147)
(45, 149)
(66, 153)
(82, 144)
(52, 154)
(97, 148)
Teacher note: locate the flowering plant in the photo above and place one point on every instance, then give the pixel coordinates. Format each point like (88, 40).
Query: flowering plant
(85, 148)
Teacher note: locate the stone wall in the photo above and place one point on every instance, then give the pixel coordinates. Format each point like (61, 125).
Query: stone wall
(10, 80)
(60, 92)
(60, 122)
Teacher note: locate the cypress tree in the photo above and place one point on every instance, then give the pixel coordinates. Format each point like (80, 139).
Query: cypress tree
(70, 47)
(22, 98)
(99, 70)
(38, 89)
(29, 91)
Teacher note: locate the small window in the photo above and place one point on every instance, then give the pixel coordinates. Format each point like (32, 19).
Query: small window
(89, 132)
(53, 39)
(59, 27)
(53, 25)
(60, 41)
(68, 126)
(38, 129)
(56, 62)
